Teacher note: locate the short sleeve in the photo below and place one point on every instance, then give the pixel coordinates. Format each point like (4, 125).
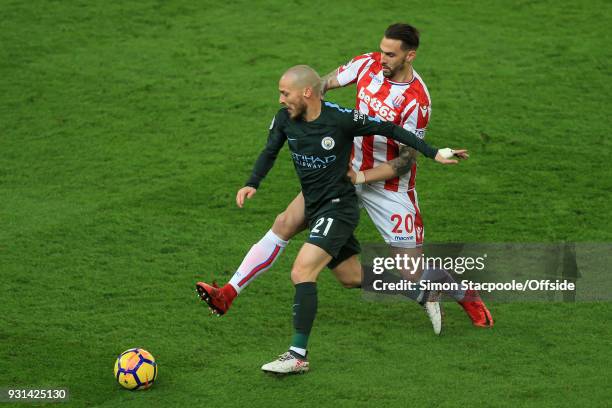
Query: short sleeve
(349, 72)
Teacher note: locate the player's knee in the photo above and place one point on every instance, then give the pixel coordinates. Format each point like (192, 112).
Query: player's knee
(297, 275)
(350, 282)
(280, 221)
(300, 273)
(284, 226)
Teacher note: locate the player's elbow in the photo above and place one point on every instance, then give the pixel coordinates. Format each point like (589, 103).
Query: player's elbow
(405, 161)
(402, 165)
(400, 171)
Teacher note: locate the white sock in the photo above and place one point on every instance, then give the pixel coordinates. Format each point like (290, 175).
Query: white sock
(300, 351)
(259, 259)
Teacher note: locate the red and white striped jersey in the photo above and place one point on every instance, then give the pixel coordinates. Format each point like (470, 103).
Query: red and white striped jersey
(406, 104)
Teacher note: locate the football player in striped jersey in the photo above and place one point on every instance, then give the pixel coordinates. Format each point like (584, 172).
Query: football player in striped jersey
(384, 171)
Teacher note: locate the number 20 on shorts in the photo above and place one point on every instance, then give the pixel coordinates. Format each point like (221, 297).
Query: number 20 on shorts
(407, 222)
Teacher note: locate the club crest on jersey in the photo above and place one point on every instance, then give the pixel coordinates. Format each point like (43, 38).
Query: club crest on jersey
(398, 100)
(328, 143)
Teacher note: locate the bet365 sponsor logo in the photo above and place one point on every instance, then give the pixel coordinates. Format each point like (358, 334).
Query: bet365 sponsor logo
(383, 110)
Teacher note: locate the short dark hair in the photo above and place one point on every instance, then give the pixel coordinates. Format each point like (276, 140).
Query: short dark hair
(407, 34)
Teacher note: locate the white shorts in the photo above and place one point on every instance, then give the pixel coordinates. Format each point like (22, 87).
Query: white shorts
(396, 215)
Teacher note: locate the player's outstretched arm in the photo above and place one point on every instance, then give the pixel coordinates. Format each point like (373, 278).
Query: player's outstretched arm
(364, 125)
(447, 155)
(379, 173)
(444, 156)
(393, 168)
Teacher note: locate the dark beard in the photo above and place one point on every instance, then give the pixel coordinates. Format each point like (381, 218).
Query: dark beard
(392, 72)
(300, 113)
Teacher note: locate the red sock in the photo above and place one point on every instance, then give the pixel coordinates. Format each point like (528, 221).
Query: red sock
(229, 292)
(470, 296)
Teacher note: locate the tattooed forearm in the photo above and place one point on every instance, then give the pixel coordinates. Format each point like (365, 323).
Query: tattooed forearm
(404, 161)
(329, 81)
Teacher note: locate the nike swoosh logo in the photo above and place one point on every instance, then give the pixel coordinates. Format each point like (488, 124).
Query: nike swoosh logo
(291, 139)
(315, 236)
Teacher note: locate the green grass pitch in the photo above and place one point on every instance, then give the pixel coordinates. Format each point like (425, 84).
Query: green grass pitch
(127, 127)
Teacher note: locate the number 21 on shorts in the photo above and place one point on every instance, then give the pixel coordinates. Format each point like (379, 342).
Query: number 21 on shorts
(319, 223)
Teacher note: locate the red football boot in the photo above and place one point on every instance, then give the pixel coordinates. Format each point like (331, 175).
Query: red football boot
(218, 299)
(476, 309)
